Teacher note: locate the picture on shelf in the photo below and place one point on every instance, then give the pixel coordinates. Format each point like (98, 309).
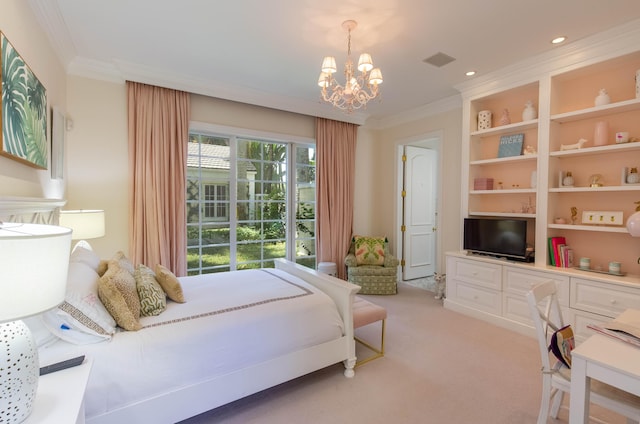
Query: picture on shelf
(510, 145)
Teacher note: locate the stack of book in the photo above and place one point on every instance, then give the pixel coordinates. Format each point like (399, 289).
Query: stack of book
(560, 254)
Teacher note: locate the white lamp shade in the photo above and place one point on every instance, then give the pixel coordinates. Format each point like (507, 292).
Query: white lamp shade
(86, 223)
(33, 274)
(323, 79)
(365, 63)
(633, 224)
(376, 76)
(329, 64)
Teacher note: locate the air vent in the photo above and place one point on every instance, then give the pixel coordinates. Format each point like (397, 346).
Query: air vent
(439, 59)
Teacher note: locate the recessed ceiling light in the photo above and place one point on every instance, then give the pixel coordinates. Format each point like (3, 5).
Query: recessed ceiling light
(470, 73)
(558, 40)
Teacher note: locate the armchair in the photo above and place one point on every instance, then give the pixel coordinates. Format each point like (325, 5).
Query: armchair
(371, 266)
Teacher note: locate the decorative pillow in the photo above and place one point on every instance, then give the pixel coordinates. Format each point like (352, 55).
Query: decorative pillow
(82, 307)
(369, 250)
(153, 299)
(169, 283)
(102, 267)
(124, 262)
(117, 291)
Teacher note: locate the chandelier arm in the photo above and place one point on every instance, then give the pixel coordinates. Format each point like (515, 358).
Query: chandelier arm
(357, 90)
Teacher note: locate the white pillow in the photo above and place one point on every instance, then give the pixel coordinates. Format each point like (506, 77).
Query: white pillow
(83, 253)
(39, 330)
(60, 324)
(82, 310)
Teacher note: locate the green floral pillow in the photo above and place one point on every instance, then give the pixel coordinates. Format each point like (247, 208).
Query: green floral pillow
(369, 250)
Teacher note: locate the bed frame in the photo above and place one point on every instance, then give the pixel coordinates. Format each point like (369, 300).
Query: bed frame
(181, 403)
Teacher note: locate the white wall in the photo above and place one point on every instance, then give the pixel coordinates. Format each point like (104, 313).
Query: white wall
(20, 27)
(97, 158)
(376, 178)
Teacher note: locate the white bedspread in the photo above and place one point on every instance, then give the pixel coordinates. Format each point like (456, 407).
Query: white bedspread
(229, 321)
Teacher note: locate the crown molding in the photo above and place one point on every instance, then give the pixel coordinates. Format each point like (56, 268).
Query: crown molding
(430, 109)
(48, 15)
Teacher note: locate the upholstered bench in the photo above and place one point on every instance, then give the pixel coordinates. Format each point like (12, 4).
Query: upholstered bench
(364, 313)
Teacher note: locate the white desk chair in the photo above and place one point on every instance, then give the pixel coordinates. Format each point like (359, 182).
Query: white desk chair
(556, 379)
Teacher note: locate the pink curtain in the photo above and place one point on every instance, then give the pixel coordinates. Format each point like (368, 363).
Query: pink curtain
(335, 180)
(158, 120)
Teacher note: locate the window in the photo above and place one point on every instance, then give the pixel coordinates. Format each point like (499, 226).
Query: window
(216, 201)
(249, 200)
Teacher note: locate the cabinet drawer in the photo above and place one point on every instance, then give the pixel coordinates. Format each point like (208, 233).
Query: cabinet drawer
(516, 308)
(602, 298)
(477, 297)
(519, 282)
(580, 320)
(475, 272)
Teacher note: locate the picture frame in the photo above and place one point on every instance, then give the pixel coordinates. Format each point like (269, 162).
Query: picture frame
(24, 110)
(58, 129)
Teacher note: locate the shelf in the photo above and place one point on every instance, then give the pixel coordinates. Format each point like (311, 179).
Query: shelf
(610, 148)
(597, 111)
(494, 161)
(503, 214)
(626, 187)
(505, 129)
(598, 228)
(505, 191)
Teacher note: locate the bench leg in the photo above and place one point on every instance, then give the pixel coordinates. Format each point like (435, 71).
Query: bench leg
(379, 351)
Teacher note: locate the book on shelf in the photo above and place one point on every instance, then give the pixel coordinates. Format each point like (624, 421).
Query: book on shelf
(625, 327)
(555, 244)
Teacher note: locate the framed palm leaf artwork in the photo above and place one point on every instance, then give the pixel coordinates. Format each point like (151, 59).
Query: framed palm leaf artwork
(24, 110)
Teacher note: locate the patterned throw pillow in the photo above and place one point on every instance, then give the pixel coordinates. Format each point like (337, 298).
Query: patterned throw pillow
(369, 250)
(117, 291)
(153, 300)
(169, 283)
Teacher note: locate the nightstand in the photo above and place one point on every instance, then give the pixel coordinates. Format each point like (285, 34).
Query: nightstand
(60, 397)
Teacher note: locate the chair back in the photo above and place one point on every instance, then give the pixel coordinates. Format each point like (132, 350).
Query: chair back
(547, 318)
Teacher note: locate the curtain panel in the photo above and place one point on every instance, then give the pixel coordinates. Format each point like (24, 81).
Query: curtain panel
(158, 124)
(335, 181)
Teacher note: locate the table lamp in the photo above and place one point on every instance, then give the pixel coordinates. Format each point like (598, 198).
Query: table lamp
(33, 279)
(85, 223)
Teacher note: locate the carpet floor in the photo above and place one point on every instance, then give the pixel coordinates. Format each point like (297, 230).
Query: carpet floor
(439, 367)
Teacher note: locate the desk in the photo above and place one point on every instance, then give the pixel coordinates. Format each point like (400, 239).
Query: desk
(605, 359)
(60, 396)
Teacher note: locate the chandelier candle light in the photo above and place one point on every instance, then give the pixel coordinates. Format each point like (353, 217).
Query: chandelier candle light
(358, 88)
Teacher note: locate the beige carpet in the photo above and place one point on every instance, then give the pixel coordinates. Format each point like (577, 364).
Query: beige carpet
(440, 367)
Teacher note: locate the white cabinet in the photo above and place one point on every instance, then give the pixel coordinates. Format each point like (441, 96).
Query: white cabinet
(518, 282)
(495, 291)
(475, 284)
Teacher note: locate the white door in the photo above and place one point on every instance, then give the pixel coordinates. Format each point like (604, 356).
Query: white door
(419, 240)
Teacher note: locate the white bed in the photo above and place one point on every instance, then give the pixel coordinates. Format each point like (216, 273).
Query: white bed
(168, 372)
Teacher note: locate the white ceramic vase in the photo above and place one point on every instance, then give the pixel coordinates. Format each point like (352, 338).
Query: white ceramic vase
(529, 111)
(601, 133)
(602, 98)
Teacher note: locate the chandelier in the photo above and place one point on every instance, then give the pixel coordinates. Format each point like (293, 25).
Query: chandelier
(358, 88)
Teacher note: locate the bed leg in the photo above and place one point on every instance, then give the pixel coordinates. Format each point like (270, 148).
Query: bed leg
(349, 365)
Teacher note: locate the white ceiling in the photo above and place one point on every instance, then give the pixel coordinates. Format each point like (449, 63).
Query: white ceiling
(269, 52)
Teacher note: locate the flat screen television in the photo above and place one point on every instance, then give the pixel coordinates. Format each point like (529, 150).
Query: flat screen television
(505, 238)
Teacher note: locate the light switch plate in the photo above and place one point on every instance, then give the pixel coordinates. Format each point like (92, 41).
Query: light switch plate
(602, 217)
